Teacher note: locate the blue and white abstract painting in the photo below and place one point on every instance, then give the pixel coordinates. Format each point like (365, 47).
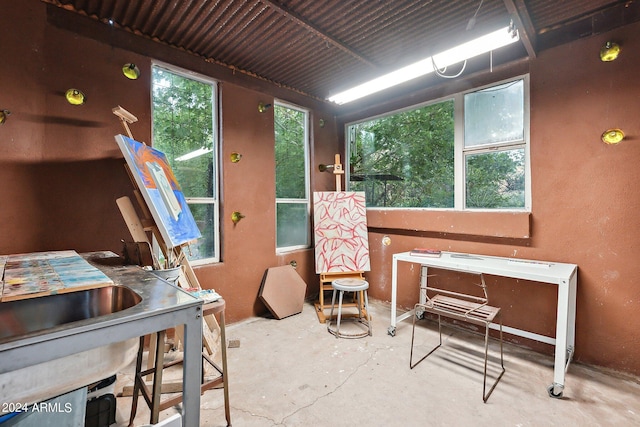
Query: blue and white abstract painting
(161, 191)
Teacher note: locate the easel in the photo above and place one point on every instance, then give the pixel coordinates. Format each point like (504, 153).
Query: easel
(327, 278)
(212, 334)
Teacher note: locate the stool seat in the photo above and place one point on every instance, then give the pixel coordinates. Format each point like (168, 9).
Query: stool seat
(359, 286)
(350, 285)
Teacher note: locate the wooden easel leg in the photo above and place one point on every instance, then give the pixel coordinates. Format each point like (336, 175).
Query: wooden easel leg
(320, 305)
(225, 372)
(157, 378)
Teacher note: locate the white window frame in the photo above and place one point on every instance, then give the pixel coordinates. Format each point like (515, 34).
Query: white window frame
(460, 151)
(307, 199)
(215, 200)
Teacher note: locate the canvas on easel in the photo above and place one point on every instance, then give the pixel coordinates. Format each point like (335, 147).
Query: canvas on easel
(161, 192)
(340, 232)
(341, 240)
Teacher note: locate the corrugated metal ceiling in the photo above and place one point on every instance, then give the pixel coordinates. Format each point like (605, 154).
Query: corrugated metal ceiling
(319, 47)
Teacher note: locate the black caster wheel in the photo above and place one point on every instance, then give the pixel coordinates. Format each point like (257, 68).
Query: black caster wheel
(551, 392)
(392, 331)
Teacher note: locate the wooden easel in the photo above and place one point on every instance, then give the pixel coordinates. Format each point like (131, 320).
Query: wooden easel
(138, 228)
(125, 118)
(327, 278)
(338, 172)
(213, 334)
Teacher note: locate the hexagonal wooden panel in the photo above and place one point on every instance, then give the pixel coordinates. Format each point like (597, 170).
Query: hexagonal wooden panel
(283, 291)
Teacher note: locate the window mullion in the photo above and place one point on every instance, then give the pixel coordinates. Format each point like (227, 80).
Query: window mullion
(283, 200)
(459, 191)
(493, 147)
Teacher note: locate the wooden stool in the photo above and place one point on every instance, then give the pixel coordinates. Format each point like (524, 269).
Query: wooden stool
(360, 287)
(152, 397)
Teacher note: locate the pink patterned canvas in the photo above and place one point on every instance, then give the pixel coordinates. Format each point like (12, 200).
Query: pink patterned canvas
(340, 231)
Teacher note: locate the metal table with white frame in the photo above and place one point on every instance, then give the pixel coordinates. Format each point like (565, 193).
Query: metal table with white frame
(561, 274)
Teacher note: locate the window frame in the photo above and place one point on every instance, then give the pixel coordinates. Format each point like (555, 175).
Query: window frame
(215, 199)
(460, 151)
(461, 196)
(307, 185)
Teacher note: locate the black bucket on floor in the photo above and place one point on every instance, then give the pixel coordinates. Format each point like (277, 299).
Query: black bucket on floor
(101, 404)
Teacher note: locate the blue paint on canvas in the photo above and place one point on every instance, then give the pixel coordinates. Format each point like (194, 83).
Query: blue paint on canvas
(161, 192)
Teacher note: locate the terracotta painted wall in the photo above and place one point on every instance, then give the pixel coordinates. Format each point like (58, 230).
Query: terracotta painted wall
(63, 170)
(586, 200)
(61, 167)
(584, 209)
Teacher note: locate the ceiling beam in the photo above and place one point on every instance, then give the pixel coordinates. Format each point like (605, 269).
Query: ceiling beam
(522, 20)
(590, 23)
(288, 13)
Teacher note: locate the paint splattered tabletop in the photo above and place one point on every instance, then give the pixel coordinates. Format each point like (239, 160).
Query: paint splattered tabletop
(47, 273)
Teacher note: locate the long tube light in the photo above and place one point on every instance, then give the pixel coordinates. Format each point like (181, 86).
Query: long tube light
(455, 55)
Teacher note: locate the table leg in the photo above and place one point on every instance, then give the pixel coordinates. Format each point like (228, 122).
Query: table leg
(192, 365)
(394, 289)
(564, 334)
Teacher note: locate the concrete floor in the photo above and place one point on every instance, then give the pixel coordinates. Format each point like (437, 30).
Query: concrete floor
(292, 372)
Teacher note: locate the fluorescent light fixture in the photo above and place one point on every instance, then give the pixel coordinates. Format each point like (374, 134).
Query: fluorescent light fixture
(460, 53)
(194, 154)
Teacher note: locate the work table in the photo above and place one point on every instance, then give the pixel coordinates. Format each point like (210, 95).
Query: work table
(162, 306)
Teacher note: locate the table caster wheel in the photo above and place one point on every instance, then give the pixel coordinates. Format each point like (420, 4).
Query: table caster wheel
(419, 314)
(392, 331)
(552, 393)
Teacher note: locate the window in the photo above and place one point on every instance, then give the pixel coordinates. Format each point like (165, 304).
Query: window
(292, 181)
(184, 128)
(405, 159)
(466, 152)
(494, 147)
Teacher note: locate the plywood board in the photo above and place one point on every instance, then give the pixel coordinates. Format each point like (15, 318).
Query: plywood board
(49, 273)
(340, 232)
(283, 291)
